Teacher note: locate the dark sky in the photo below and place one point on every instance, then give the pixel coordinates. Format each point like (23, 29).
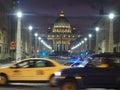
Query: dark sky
(82, 14)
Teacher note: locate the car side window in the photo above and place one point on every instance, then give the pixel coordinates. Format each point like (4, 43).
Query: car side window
(23, 64)
(49, 64)
(31, 64)
(39, 63)
(43, 63)
(26, 64)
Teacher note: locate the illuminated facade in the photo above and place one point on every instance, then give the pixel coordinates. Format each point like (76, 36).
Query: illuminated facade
(62, 34)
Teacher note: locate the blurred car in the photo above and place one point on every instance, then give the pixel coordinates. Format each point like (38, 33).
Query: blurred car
(72, 59)
(90, 75)
(72, 63)
(30, 70)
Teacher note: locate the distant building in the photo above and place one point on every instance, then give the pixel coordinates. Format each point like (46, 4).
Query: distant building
(62, 34)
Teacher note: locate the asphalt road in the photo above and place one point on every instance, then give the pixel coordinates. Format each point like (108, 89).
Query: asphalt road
(37, 86)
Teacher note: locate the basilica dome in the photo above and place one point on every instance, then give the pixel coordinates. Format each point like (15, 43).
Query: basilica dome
(62, 21)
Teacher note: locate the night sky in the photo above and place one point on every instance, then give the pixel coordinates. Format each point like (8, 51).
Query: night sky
(82, 14)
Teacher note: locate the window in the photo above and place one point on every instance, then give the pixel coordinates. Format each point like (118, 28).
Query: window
(26, 64)
(43, 63)
(49, 64)
(40, 63)
(23, 64)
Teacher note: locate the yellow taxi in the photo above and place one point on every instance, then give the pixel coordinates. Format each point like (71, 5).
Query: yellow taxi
(31, 69)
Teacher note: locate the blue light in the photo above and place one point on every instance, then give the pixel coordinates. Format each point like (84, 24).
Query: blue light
(43, 53)
(81, 54)
(73, 59)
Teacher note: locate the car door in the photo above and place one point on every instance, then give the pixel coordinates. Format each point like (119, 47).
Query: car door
(43, 70)
(101, 76)
(107, 76)
(22, 71)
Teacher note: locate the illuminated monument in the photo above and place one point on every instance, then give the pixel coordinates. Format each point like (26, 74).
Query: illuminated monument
(62, 34)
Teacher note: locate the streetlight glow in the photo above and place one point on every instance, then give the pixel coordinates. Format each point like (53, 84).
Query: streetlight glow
(90, 35)
(97, 29)
(19, 14)
(36, 34)
(30, 28)
(111, 16)
(85, 39)
(82, 42)
(39, 38)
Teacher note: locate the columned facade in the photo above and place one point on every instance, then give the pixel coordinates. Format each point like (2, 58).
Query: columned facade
(61, 34)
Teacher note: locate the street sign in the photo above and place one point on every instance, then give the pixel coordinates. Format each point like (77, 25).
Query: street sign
(12, 45)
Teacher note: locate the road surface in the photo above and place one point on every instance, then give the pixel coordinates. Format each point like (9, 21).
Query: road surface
(37, 86)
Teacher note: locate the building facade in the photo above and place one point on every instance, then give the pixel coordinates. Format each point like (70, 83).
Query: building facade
(62, 34)
(6, 8)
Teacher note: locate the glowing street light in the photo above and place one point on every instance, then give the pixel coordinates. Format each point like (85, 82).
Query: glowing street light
(39, 38)
(19, 14)
(85, 39)
(89, 35)
(30, 28)
(111, 16)
(110, 45)
(97, 29)
(18, 37)
(85, 43)
(36, 34)
(97, 39)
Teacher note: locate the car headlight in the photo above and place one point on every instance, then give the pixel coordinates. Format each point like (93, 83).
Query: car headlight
(58, 73)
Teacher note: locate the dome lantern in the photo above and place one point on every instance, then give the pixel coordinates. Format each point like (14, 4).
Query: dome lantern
(62, 14)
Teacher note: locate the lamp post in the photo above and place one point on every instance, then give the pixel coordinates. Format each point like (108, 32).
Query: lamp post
(89, 35)
(97, 39)
(110, 48)
(18, 37)
(82, 42)
(80, 46)
(30, 38)
(85, 39)
(36, 34)
(39, 38)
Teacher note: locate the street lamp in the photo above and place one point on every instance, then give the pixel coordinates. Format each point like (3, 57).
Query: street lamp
(18, 37)
(36, 34)
(97, 39)
(30, 28)
(30, 38)
(85, 43)
(97, 29)
(110, 47)
(89, 35)
(39, 38)
(82, 45)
